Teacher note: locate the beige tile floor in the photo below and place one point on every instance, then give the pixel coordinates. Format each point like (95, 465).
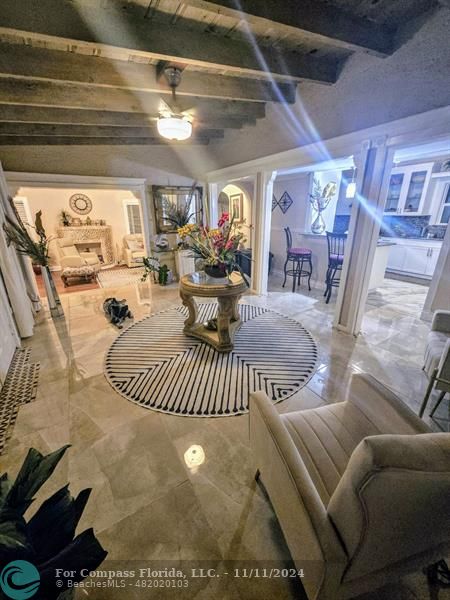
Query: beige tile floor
(146, 504)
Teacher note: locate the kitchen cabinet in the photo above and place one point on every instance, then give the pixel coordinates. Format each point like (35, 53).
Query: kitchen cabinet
(414, 257)
(407, 189)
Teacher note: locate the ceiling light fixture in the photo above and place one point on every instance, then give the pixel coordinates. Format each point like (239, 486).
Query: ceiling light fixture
(173, 125)
(350, 192)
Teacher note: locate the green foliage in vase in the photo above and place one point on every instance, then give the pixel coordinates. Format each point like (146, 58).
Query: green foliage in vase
(179, 213)
(47, 539)
(152, 265)
(17, 234)
(163, 275)
(65, 218)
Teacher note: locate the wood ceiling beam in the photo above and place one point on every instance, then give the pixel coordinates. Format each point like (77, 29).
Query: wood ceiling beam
(16, 113)
(93, 26)
(315, 19)
(40, 129)
(26, 62)
(37, 140)
(44, 93)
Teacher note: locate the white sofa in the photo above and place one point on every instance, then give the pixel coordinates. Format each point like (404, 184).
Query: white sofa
(361, 498)
(134, 250)
(70, 257)
(437, 358)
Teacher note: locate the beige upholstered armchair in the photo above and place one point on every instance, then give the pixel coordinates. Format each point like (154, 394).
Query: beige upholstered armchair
(437, 358)
(69, 256)
(134, 250)
(360, 488)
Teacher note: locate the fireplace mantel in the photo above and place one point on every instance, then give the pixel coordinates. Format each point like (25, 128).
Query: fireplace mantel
(91, 234)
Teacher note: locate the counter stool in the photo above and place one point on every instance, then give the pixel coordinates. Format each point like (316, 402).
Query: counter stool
(336, 249)
(298, 257)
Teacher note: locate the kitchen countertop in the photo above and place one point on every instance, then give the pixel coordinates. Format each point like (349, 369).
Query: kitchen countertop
(419, 240)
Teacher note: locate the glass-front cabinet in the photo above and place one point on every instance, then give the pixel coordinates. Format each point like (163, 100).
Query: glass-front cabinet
(407, 189)
(393, 197)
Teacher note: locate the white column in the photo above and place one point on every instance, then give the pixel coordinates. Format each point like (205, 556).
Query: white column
(146, 209)
(263, 213)
(374, 164)
(438, 296)
(212, 215)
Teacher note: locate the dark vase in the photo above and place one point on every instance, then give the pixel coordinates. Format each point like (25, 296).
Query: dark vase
(218, 271)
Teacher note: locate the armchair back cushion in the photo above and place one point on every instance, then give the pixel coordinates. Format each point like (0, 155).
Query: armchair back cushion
(67, 247)
(392, 502)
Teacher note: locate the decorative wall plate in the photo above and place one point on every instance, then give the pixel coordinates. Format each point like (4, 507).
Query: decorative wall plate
(285, 202)
(80, 204)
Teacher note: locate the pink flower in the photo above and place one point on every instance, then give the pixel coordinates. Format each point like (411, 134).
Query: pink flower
(223, 219)
(229, 245)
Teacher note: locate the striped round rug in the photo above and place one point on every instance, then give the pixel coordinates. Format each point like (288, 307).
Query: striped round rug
(155, 365)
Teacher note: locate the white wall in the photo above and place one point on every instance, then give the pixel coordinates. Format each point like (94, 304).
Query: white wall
(295, 218)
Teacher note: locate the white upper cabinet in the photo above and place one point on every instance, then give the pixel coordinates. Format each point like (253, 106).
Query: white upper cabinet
(407, 189)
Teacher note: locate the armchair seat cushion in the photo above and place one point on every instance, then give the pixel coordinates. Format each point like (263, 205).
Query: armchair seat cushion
(138, 254)
(325, 438)
(435, 347)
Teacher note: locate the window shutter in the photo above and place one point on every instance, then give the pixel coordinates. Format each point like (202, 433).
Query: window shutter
(23, 210)
(134, 218)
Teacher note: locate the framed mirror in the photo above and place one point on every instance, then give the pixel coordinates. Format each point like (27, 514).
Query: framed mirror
(173, 204)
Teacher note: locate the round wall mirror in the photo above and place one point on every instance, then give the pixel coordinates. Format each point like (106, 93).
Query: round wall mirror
(80, 204)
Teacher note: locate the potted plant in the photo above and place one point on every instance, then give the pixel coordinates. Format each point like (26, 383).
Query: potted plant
(179, 214)
(17, 234)
(162, 272)
(47, 541)
(320, 199)
(217, 247)
(66, 219)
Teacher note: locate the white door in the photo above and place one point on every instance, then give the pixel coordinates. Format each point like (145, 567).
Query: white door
(9, 339)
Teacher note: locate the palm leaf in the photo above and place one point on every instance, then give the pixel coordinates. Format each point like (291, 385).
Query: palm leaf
(35, 471)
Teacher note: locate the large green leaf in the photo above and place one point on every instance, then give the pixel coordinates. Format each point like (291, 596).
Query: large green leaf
(85, 552)
(35, 471)
(53, 526)
(5, 486)
(13, 537)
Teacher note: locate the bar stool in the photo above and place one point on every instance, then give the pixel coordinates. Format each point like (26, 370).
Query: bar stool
(336, 250)
(298, 257)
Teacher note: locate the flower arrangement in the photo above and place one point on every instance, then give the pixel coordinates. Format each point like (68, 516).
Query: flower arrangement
(217, 247)
(320, 198)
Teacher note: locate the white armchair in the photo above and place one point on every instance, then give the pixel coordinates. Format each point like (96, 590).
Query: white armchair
(133, 250)
(360, 488)
(69, 256)
(437, 358)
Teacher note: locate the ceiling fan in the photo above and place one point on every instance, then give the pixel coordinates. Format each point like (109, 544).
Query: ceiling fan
(173, 124)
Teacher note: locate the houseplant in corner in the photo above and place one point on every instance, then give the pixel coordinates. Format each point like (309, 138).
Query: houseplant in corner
(47, 541)
(320, 199)
(17, 234)
(217, 247)
(179, 214)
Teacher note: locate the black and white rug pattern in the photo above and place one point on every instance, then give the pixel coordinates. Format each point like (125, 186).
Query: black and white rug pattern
(20, 387)
(155, 365)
